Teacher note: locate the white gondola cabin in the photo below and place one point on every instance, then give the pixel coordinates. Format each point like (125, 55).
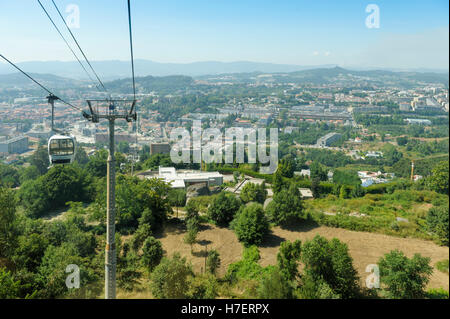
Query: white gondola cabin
(61, 149)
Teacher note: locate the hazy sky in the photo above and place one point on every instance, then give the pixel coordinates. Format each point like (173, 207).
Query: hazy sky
(411, 34)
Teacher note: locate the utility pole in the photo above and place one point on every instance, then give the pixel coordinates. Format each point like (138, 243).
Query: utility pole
(111, 113)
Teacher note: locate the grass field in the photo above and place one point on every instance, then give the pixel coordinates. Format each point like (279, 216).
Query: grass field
(379, 212)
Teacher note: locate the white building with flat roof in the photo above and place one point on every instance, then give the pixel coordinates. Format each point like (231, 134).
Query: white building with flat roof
(186, 178)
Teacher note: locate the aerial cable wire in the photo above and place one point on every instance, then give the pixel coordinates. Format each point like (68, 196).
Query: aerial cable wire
(131, 49)
(134, 86)
(68, 45)
(43, 87)
(79, 47)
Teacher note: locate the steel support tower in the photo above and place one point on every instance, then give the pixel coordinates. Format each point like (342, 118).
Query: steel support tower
(111, 114)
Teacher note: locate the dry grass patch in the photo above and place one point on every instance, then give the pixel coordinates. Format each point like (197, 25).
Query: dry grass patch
(365, 248)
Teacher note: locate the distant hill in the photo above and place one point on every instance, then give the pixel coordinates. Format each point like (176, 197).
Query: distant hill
(324, 75)
(151, 83)
(333, 75)
(48, 80)
(173, 83)
(111, 70)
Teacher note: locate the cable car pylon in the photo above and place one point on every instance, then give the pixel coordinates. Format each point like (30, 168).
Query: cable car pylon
(110, 112)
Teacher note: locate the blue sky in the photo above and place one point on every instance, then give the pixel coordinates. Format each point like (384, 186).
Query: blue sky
(412, 34)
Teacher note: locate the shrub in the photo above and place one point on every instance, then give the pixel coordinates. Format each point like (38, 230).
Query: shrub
(442, 265)
(286, 207)
(437, 222)
(170, 278)
(191, 237)
(213, 261)
(9, 288)
(202, 287)
(152, 253)
(248, 267)
(274, 285)
(223, 208)
(404, 278)
(144, 231)
(287, 259)
(251, 225)
(330, 262)
(253, 193)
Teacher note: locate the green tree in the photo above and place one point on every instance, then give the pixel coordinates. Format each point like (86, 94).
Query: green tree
(346, 177)
(81, 157)
(251, 225)
(278, 183)
(330, 262)
(8, 228)
(177, 197)
(316, 288)
(287, 166)
(170, 278)
(318, 171)
(140, 202)
(315, 187)
(437, 222)
(274, 285)
(9, 287)
(128, 273)
(9, 176)
(287, 259)
(51, 275)
(253, 193)
(29, 173)
(30, 250)
(223, 208)
(192, 218)
(402, 140)
(391, 154)
(202, 287)
(357, 191)
(152, 253)
(438, 181)
(404, 278)
(286, 206)
(191, 237)
(141, 234)
(97, 164)
(40, 160)
(53, 190)
(345, 191)
(213, 261)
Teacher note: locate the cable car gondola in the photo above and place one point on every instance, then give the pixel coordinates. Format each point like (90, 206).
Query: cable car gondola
(61, 149)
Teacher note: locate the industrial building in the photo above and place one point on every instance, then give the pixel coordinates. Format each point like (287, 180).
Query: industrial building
(183, 179)
(14, 145)
(328, 139)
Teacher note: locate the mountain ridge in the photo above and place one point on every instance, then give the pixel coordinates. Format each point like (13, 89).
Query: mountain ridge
(110, 70)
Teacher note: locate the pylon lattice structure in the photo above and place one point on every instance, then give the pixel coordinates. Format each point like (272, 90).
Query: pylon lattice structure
(111, 110)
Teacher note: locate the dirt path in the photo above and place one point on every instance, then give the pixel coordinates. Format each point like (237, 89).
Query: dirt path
(365, 248)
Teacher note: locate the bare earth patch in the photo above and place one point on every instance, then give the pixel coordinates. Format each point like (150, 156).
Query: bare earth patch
(365, 248)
